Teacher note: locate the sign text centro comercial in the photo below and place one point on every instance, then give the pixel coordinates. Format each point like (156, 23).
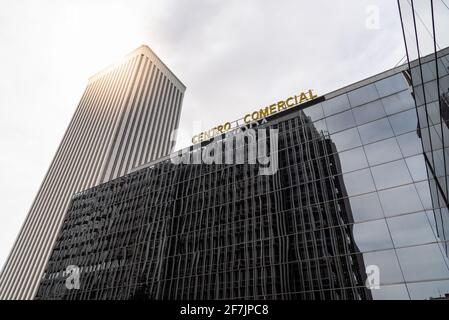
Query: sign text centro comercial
(257, 115)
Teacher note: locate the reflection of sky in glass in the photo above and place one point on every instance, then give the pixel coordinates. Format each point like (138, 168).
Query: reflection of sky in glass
(426, 290)
(366, 207)
(358, 182)
(353, 159)
(387, 262)
(391, 174)
(375, 131)
(383, 151)
(372, 235)
(394, 292)
(411, 229)
(423, 263)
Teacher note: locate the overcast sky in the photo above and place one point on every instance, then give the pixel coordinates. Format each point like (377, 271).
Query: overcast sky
(233, 56)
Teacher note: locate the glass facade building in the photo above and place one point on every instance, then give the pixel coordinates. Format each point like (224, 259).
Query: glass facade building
(426, 29)
(361, 183)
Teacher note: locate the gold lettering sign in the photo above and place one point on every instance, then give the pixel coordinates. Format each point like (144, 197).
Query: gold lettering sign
(257, 115)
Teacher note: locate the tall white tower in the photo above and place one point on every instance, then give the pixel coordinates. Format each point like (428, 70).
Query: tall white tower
(124, 119)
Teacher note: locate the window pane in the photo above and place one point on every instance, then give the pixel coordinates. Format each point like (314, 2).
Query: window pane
(424, 193)
(429, 290)
(340, 122)
(404, 122)
(320, 125)
(388, 265)
(409, 200)
(391, 85)
(372, 235)
(395, 292)
(383, 151)
(411, 229)
(417, 167)
(358, 182)
(391, 174)
(423, 263)
(398, 102)
(431, 91)
(336, 105)
(433, 112)
(346, 139)
(363, 95)
(369, 112)
(375, 131)
(315, 112)
(429, 71)
(410, 144)
(353, 160)
(366, 207)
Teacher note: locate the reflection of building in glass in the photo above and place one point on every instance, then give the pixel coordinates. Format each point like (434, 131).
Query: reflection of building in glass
(217, 231)
(445, 108)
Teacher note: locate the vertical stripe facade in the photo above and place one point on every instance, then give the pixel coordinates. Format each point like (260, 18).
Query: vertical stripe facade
(116, 127)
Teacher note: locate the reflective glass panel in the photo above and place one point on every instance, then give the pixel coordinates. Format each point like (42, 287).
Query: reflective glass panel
(372, 235)
(417, 167)
(382, 151)
(429, 290)
(353, 159)
(358, 182)
(314, 112)
(398, 102)
(363, 95)
(375, 131)
(340, 122)
(346, 139)
(391, 85)
(423, 263)
(394, 292)
(423, 189)
(366, 207)
(410, 144)
(336, 105)
(411, 229)
(369, 112)
(410, 201)
(391, 174)
(404, 122)
(388, 265)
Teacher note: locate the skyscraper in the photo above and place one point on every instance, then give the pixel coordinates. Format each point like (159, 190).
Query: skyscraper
(124, 119)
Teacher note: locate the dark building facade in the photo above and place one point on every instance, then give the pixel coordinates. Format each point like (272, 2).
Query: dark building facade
(199, 231)
(353, 190)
